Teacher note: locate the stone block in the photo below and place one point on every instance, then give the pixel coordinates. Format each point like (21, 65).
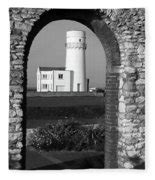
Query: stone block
(16, 17)
(11, 128)
(126, 129)
(130, 108)
(15, 136)
(17, 62)
(16, 157)
(17, 66)
(142, 75)
(14, 151)
(129, 45)
(141, 89)
(19, 145)
(18, 127)
(15, 37)
(15, 120)
(14, 57)
(19, 112)
(122, 107)
(132, 153)
(126, 136)
(121, 82)
(16, 81)
(140, 99)
(128, 165)
(14, 164)
(130, 69)
(129, 100)
(16, 106)
(12, 113)
(129, 86)
(16, 88)
(130, 148)
(19, 54)
(138, 64)
(22, 26)
(141, 49)
(121, 115)
(18, 96)
(15, 102)
(140, 81)
(130, 94)
(121, 99)
(140, 145)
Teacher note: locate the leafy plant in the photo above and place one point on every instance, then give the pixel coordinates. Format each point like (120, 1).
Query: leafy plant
(68, 135)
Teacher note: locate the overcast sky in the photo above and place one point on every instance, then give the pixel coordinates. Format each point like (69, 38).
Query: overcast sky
(48, 49)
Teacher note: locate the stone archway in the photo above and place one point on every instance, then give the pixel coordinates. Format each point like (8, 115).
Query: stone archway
(124, 92)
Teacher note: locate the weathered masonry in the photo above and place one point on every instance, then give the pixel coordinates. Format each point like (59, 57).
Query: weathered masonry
(122, 34)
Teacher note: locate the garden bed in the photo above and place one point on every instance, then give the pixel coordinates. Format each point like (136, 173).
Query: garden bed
(66, 135)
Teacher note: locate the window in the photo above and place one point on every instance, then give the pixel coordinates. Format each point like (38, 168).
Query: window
(60, 76)
(44, 76)
(44, 86)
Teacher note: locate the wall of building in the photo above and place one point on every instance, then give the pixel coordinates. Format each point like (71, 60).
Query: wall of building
(53, 82)
(125, 82)
(65, 81)
(48, 81)
(38, 80)
(129, 28)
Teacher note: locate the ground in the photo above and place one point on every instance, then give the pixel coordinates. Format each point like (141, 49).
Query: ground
(65, 101)
(63, 159)
(42, 110)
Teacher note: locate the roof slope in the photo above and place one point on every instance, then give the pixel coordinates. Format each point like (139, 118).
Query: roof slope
(51, 68)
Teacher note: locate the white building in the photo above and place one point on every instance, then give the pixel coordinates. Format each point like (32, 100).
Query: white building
(71, 78)
(53, 79)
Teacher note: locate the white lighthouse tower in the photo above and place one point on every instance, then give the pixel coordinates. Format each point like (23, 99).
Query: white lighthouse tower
(75, 58)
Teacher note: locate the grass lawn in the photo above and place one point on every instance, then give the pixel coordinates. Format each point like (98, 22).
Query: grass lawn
(34, 123)
(63, 159)
(45, 110)
(65, 101)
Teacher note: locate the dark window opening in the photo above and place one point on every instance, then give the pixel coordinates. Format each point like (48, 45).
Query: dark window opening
(60, 76)
(44, 86)
(44, 76)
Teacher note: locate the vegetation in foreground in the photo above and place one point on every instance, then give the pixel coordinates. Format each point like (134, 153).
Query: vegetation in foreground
(67, 135)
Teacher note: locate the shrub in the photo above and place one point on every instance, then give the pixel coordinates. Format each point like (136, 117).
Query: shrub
(68, 135)
(43, 139)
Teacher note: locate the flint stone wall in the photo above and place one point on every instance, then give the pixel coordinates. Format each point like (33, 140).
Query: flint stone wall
(125, 86)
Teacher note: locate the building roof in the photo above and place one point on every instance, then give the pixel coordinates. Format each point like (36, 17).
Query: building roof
(51, 68)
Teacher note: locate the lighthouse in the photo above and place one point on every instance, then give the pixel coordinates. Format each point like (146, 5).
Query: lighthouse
(75, 59)
(72, 77)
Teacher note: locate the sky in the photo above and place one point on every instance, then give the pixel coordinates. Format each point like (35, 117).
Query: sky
(48, 49)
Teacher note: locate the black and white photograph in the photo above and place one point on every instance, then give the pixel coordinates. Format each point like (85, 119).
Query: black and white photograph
(77, 88)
